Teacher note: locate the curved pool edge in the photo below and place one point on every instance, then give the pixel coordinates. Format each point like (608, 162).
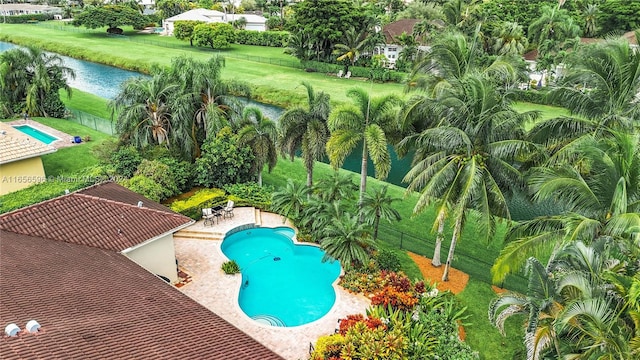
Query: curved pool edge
(236, 304)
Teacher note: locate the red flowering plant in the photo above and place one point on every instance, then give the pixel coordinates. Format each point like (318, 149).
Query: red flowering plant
(351, 320)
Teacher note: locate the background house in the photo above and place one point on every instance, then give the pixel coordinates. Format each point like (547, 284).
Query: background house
(391, 49)
(26, 9)
(254, 22)
(20, 162)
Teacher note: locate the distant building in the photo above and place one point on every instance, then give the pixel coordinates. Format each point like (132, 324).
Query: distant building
(391, 49)
(253, 22)
(27, 9)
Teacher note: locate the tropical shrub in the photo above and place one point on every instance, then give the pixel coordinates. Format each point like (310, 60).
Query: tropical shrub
(146, 187)
(223, 161)
(351, 320)
(161, 174)
(192, 206)
(24, 19)
(388, 260)
(125, 161)
(230, 267)
(250, 194)
(326, 347)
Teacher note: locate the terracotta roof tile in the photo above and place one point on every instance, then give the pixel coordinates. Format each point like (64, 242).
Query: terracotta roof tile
(80, 218)
(396, 28)
(95, 303)
(14, 145)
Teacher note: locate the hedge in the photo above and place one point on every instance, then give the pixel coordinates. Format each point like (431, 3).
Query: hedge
(379, 75)
(43, 191)
(262, 38)
(192, 206)
(28, 18)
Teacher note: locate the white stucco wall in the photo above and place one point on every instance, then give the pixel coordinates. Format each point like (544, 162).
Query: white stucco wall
(157, 256)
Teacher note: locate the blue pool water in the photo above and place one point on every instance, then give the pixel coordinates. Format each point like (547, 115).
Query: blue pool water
(36, 134)
(282, 284)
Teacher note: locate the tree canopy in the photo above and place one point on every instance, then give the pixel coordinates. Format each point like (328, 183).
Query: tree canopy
(112, 16)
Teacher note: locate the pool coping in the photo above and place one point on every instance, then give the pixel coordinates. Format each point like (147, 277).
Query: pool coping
(218, 292)
(42, 131)
(58, 144)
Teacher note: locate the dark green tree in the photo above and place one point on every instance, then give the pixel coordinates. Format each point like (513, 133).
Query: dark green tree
(111, 16)
(183, 30)
(223, 161)
(214, 35)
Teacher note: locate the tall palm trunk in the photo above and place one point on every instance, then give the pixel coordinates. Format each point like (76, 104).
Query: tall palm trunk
(310, 176)
(363, 179)
(454, 240)
(260, 178)
(439, 237)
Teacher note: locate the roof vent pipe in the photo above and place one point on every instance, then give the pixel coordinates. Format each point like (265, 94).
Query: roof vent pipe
(66, 191)
(32, 326)
(140, 204)
(12, 330)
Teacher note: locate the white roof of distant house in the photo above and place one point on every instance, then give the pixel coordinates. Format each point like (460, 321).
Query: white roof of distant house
(198, 15)
(29, 8)
(14, 145)
(251, 18)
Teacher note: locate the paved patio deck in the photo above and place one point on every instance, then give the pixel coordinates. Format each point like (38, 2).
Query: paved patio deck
(64, 139)
(202, 258)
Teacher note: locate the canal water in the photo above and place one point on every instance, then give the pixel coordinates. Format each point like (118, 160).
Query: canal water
(104, 81)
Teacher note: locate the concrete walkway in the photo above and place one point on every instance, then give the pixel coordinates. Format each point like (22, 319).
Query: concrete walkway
(198, 252)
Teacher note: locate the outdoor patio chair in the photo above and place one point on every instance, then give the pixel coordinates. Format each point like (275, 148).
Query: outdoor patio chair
(208, 216)
(347, 75)
(228, 210)
(339, 74)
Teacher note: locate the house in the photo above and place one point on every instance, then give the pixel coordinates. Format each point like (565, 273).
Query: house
(27, 9)
(83, 266)
(633, 41)
(20, 162)
(254, 22)
(391, 49)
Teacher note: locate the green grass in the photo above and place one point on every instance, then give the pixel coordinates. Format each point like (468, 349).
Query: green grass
(72, 159)
(86, 102)
(273, 84)
(546, 111)
(482, 336)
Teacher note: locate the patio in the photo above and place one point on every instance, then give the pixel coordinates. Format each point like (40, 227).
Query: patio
(198, 252)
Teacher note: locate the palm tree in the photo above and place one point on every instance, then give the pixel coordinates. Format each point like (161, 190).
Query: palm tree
(353, 44)
(368, 123)
(306, 129)
(290, 200)
(541, 305)
(611, 73)
(590, 19)
(452, 57)
(144, 113)
(378, 205)
(206, 102)
(347, 240)
(553, 32)
(260, 134)
(31, 79)
(601, 188)
(466, 162)
(510, 39)
(335, 187)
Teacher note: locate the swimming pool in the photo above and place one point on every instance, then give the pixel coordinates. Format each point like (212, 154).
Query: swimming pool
(36, 134)
(283, 284)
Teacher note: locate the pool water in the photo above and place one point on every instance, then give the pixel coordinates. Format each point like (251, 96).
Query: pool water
(36, 134)
(283, 284)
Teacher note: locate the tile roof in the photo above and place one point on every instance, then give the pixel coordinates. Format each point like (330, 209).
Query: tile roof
(97, 304)
(14, 145)
(396, 28)
(110, 221)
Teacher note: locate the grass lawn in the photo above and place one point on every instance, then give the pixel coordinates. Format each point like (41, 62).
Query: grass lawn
(481, 335)
(72, 159)
(546, 111)
(86, 102)
(273, 84)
